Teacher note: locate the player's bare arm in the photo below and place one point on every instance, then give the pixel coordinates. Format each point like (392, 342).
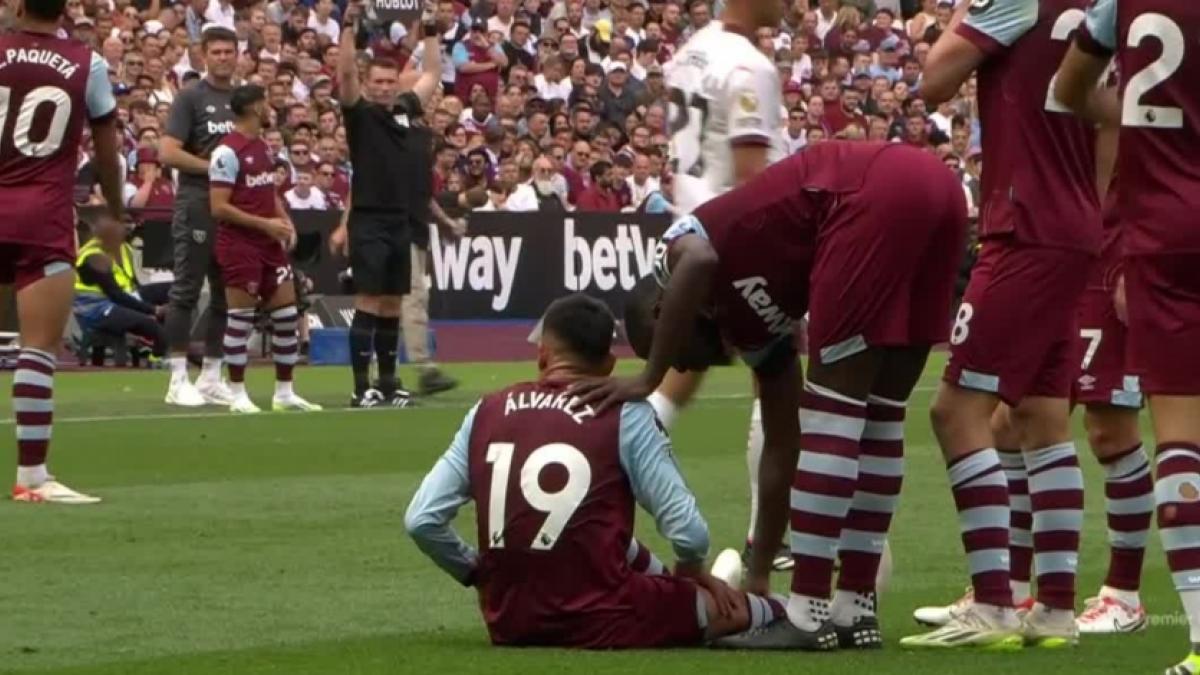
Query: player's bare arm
(778, 380)
(349, 89)
(693, 263)
(108, 166)
(282, 212)
(748, 161)
(172, 154)
(451, 228)
(951, 62)
(1077, 87)
(339, 239)
(223, 210)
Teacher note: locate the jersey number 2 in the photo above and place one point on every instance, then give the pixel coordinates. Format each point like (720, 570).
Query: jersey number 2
(558, 506)
(58, 122)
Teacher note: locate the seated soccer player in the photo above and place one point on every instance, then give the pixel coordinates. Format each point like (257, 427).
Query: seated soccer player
(866, 238)
(556, 483)
(254, 235)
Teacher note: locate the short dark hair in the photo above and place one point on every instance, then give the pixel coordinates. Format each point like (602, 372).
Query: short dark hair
(245, 96)
(583, 324)
(217, 34)
(47, 10)
(599, 169)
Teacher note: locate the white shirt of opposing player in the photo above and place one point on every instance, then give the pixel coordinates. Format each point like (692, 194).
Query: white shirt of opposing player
(722, 90)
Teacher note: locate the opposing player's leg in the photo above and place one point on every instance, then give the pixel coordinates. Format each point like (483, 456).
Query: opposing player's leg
(1115, 439)
(43, 306)
(239, 324)
(285, 346)
(190, 231)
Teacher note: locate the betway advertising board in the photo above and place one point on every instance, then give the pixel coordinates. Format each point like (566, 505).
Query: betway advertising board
(511, 265)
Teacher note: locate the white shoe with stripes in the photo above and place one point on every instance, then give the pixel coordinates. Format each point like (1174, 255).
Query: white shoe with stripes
(974, 626)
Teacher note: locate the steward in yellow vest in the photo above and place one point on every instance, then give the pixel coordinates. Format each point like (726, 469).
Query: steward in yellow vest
(108, 298)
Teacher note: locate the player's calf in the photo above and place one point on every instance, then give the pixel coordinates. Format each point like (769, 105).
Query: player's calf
(238, 326)
(285, 351)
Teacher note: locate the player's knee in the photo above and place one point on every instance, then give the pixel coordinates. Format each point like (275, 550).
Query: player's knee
(1111, 432)
(1042, 422)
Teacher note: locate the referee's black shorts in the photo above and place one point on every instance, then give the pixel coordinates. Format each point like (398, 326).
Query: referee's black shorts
(380, 253)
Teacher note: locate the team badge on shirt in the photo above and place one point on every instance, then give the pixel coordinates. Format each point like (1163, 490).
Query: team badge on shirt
(981, 6)
(748, 102)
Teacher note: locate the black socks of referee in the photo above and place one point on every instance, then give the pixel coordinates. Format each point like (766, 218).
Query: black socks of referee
(387, 340)
(362, 332)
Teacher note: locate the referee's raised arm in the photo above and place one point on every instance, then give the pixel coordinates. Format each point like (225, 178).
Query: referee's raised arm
(430, 81)
(349, 89)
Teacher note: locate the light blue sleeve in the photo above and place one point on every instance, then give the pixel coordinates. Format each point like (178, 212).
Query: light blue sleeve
(1002, 20)
(1101, 23)
(685, 225)
(442, 493)
(460, 56)
(223, 166)
(98, 95)
(657, 484)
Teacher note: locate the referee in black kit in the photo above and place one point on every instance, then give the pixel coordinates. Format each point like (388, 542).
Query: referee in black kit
(391, 152)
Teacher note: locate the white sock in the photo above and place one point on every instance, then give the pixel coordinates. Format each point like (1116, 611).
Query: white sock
(1020, 591)
(754, 449)
(1191, 605)
(664, 407)
(211, 370)
(1131, 598)
(284, 389)
(178, 367)
(807, 613)
(32, 476)
(848, 606)
(237, 388)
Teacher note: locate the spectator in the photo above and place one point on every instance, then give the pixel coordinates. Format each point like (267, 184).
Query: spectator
(577, 170)
(552, 83)
(616, 96)
(793, 136)
(148, 187)
(305, 196)
(477, 61)
(538, 193)
(518, 48)
(322, 22)
(220, 13)
(600, 195)
(326, 178)
(641, 184)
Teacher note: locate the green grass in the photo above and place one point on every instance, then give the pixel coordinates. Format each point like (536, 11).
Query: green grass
(274, 544)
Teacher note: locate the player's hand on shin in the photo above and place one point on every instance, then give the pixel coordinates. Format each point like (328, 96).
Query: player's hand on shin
(727, 600)
(603, 393)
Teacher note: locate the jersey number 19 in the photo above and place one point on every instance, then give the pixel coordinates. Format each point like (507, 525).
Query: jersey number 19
(558, 506)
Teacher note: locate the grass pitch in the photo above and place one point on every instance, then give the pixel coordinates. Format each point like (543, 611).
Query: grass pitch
(274, 544)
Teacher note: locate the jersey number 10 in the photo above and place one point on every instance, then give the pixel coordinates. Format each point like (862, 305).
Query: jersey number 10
(58, 123)
(558, 506)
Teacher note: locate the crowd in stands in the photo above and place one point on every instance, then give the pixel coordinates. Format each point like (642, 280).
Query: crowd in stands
(548, 104)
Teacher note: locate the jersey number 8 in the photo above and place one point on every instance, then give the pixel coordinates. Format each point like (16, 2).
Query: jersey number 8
(558, 506)
(33, 100)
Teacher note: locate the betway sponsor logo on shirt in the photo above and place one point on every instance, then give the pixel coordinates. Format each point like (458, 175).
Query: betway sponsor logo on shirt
(260, 179)
(219, 127)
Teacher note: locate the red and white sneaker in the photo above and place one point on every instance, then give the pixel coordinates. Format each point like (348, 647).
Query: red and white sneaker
(51, 492)
(1105, 615)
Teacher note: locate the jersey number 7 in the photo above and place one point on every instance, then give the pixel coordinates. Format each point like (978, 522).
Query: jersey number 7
(558, 506)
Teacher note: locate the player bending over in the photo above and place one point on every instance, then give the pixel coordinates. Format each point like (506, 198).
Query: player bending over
(254, 235)
(866, 238)
(1158, 182)
(49, 87)
(555, 482)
